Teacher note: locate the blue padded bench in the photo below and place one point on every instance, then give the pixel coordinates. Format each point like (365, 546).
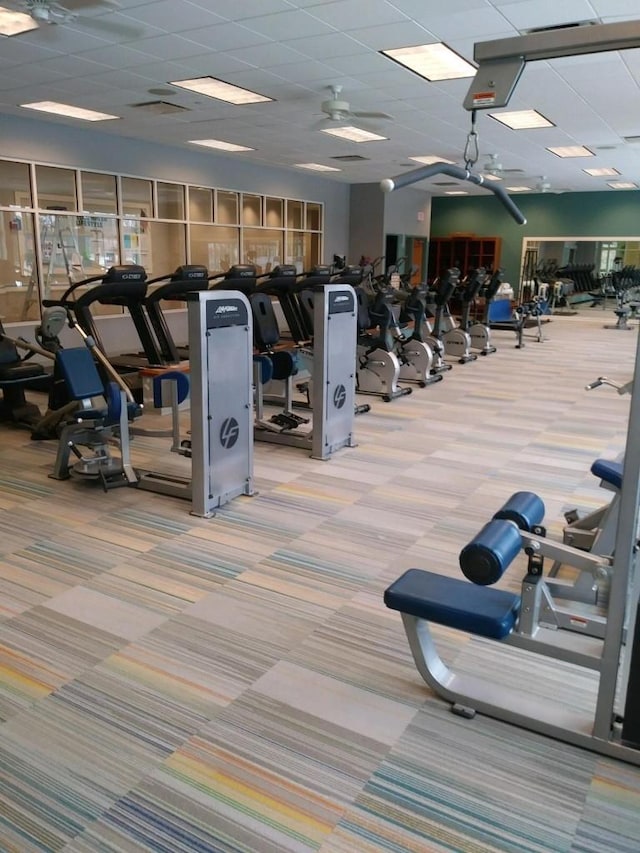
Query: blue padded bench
(610, 472)
(454, 603)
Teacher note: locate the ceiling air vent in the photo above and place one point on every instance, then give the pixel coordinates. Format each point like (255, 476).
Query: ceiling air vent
(445, 183)
(569, 26)
(350, 158)
(159, 108)
(632, 140)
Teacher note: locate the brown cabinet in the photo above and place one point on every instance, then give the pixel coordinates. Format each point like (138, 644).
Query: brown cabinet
(465, 251)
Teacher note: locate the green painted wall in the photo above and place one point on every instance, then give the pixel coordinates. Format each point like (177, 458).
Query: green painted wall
(597, 214)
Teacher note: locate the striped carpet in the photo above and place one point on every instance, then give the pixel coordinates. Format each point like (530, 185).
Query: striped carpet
(174, 684)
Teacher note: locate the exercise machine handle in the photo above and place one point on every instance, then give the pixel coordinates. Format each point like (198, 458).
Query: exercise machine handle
(390, 184)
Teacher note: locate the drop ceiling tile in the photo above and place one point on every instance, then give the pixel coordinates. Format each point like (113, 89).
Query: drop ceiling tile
(393, 35)
(171, 47)
(545, 13)
(616, 8)
(174, 16)
(327, 46)
(296, 24)
(225, 37)
(368, 63)
(302, 71)
(20, 51)
(74, 66)
(238, 10)
(112, 27)
(422, 12)
(214, 64)
(349, 14)
(116, 56)
(270, 53)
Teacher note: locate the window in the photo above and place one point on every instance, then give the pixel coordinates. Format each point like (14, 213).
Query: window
(137, 198)
(170, 201)
(56, 188)
(15, 184)
(98, 193)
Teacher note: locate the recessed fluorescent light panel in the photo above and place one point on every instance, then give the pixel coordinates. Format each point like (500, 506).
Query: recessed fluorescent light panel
(518, 189)
(522, 119)
(317, 167)
(353, 134)
(220, 90)
(605, 172)
(429, 159)
(14, 23)
(489, 177)
(432, 61)
(571, 151)
(68, 111)
(456, 192)
(622, 185)
(220, 145)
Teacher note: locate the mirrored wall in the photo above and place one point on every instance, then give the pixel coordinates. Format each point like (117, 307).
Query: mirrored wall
(59, 226)
(601, 257)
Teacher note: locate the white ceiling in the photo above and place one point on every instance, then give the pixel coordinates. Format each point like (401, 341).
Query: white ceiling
(291, 50)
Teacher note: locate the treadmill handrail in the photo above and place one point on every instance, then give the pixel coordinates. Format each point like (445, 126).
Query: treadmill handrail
(388, 185)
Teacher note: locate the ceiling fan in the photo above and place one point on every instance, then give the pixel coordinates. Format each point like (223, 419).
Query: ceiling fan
(49, 13)
(494, 168)
(336, 109)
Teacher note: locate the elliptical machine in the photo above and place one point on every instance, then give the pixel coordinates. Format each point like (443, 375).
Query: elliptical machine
(456, 341)
(478, 331)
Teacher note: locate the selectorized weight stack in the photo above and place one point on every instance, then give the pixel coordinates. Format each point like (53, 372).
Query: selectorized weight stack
(334, 346)
(221, 356)
(334, 378)
(221, 378)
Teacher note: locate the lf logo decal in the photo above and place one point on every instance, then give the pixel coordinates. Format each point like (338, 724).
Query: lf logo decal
(229, 432)
(339, 396)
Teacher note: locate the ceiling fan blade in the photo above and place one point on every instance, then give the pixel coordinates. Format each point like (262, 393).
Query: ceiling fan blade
(373, 115)
(81, 5)
(103, 24)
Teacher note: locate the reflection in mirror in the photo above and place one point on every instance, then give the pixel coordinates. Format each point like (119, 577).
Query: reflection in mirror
(74, 248)
(214, 246)
(19, 295)
(587, 265)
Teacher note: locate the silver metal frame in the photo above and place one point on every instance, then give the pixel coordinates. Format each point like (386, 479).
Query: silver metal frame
(599, 729)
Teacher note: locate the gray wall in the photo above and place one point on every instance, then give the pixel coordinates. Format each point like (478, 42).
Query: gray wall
(366, 222)
(402, 209)
(374, 214)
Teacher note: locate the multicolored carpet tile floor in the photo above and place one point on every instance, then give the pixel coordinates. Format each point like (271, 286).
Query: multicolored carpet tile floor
(174, 684)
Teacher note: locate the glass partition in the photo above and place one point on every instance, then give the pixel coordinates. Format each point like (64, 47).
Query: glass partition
(137, 197)
(226, 208)
(56, 188)
(156, 224)
(251, 209)
(98, 193)
(19, 294)
(200, 204)
(167, 247)
(274, 212)
(314, 216)
(262, 247)
(170, 201)
(215, 247)
(295, 214)
(73, 248)
(15, 184)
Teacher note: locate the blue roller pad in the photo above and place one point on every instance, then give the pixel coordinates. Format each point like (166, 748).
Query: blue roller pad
(525, 509)
(160, 381)
(610, 472)
(489, 554)
(454, 603)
